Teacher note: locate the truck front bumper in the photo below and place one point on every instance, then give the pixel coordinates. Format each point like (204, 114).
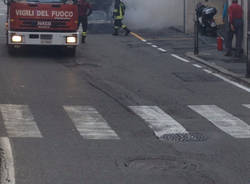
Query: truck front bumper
(43, 38)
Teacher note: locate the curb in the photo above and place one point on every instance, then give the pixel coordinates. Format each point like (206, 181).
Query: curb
(234, 76)
(7, 171)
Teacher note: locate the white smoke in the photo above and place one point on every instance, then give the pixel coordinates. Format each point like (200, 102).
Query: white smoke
(154, 14)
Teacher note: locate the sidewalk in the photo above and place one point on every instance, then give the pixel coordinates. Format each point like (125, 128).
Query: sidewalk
(183, 44)
(211, 57)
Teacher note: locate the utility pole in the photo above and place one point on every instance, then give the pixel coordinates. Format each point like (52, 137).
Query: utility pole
(247, 29)
(248, 60)
(184, 16)
(196, 34)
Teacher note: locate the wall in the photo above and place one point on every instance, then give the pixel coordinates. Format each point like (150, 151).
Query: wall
(154, 14)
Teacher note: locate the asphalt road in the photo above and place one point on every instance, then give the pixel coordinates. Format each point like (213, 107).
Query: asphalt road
(121, 112)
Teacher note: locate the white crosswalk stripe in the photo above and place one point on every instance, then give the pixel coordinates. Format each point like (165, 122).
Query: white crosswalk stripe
(223, 120)
(2, 6)
(247, 105)
(3, 9)
(89, 123)
(160, 122)
(19, 121)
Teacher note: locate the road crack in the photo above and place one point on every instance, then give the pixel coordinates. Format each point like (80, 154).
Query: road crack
(116, 92)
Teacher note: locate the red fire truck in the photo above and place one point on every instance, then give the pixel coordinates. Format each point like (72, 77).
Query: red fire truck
(42, 22)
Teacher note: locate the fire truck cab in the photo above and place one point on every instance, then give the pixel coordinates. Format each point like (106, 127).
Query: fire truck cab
(42, 22)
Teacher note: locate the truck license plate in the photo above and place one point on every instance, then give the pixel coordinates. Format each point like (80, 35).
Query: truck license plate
(46, 38)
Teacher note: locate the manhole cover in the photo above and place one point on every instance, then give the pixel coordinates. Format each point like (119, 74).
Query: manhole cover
(191, 77)
(166, 163)
(191, 137)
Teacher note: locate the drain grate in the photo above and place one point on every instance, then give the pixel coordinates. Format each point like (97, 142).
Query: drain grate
(191, 137)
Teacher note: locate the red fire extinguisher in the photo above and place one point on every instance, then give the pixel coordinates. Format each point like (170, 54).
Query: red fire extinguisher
(219, 43)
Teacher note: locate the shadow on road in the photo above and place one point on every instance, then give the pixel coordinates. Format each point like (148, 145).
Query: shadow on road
(40, 52)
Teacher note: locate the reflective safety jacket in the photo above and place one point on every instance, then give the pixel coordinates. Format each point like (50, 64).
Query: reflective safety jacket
(119, 11)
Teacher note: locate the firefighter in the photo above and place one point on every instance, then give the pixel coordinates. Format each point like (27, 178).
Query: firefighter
(118, 15)
(235, 13)
(85, 10)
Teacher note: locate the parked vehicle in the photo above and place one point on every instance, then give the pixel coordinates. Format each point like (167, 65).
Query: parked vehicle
(100, 22)
(42, 22)
(102, 5)
(206, 21)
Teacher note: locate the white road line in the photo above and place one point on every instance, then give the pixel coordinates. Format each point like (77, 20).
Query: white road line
(19, 121)
(160, 122)
(8, 173)
(89, 123)
(154, 46)
(215, 74)
(223, 120)
(144, 40)
(197, 66)
(162, 50)
(180, 58)
(207, 71)
(247, 105)
(231, 82)
(149, 43)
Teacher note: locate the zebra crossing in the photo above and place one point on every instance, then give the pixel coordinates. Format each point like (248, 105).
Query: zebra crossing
(224, 120)
(89, 123)
(3, 8)
(19, 121)
(158, 120)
